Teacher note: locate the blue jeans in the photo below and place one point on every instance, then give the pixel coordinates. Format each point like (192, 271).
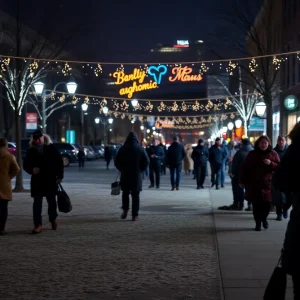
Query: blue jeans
(175, 169)
(238, 192)
(37, 210)
(223, 173)
(216, 174)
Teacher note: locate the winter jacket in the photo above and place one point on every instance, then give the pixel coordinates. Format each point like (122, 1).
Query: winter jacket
(257, 176)
(200, 156)
(158, 151)
(81, 155)
(8, 170)
(239, 158)
(108, 153)
(286, 177)
(217, 156)
(280, 152)
(175, 154)
(131, 160)
(51, 168)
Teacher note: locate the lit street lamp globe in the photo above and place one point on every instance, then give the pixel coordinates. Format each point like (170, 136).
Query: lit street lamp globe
(148, 130)
(105, 110)
(238, 123)
(97, 120)
(230, 126)
(153, 128)
(39, 87)
(260, 108)
(72, 87)
(84, 107)
(142, 127)
(110, 120)
(134, 102)
(225, 129)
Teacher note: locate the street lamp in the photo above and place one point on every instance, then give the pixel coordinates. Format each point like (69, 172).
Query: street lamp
(142, 127)
(260, 108)
(39, 90)
(110, 120)
(134, 102)
(148, 130)
(105, 110)
(230, 126)
(225, 129)
(238, 123)
(84, 108)
(97, 120)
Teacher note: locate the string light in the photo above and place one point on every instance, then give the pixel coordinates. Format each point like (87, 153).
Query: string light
(98, 70)
(231, 67)
(66, 69)
(4, 63)
(32, 68)
(253, 65)
(203, 68)
(276, 62)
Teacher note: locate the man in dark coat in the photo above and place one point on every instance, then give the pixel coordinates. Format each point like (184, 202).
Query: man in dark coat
(175, 155)
(131, 160)
(217, 158)
(200, 157)
(108, 154)
(163, 163)
(238, 159)
(43, 161)
(156, 156)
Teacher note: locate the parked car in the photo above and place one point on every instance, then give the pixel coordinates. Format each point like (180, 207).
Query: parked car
(90, 154)
(12, 148)
(68, 153)
(99, 151)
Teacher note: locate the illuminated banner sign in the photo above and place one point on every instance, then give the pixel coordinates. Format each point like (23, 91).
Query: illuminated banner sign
(182, 44)
(138, 82)
(31, 121)
(137, 78)
(164, 124)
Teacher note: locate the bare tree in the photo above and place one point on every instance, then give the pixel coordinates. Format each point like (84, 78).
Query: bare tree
(214, 130)
(260, 28)
(243, 102)
(17, 76)
(36, 102)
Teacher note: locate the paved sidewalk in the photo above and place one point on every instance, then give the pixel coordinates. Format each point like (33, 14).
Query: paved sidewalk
(247, 257)
(169, 254)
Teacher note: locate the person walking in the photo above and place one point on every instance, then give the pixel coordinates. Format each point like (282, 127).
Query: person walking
(131, 160)
(286, 179)
(163, 163)
(108, 154)
(200, 156)
(217, 158)
(280, 199)
(226, 160)
(9, 169)
(237, 190)
(156, 156)
(45, 165)
(81, 158)
(175, 156)
(188, 161)
(256, 174)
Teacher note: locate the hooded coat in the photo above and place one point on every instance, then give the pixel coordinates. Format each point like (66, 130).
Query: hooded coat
(9, 169)
(131, 160)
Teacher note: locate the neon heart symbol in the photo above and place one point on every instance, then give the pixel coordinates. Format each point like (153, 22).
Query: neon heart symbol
(157, 72)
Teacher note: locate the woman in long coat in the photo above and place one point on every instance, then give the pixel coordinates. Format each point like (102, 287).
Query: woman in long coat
(188, 164)
(8, 170)
(256, 174)
(286, 179)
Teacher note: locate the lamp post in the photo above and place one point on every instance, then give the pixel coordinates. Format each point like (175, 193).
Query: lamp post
(260, 109)
(238, 123)
(84, 108)
(104, 121)
(230, 126)
(39, 90)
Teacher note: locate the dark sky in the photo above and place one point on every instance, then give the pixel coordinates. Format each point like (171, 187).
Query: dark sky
(119, 30)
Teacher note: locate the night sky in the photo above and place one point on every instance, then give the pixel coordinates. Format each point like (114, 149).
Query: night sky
(125, 31)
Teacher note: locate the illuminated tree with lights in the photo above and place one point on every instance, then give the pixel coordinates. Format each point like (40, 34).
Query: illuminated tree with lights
(243, 102)
(260, 30)
(17, 76)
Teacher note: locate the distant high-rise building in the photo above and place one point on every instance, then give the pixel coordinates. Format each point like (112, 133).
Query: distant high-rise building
(182, 50)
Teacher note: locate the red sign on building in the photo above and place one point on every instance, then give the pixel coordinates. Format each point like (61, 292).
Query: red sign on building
(31, 121)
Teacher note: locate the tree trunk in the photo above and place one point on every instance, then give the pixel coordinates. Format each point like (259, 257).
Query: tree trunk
(269, 113)
(19, 179)
(245, 128)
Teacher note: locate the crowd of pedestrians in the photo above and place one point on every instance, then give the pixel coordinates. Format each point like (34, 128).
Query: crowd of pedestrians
(259, 174)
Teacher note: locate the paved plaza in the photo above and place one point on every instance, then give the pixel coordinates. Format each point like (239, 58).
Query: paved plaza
(181, 248)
